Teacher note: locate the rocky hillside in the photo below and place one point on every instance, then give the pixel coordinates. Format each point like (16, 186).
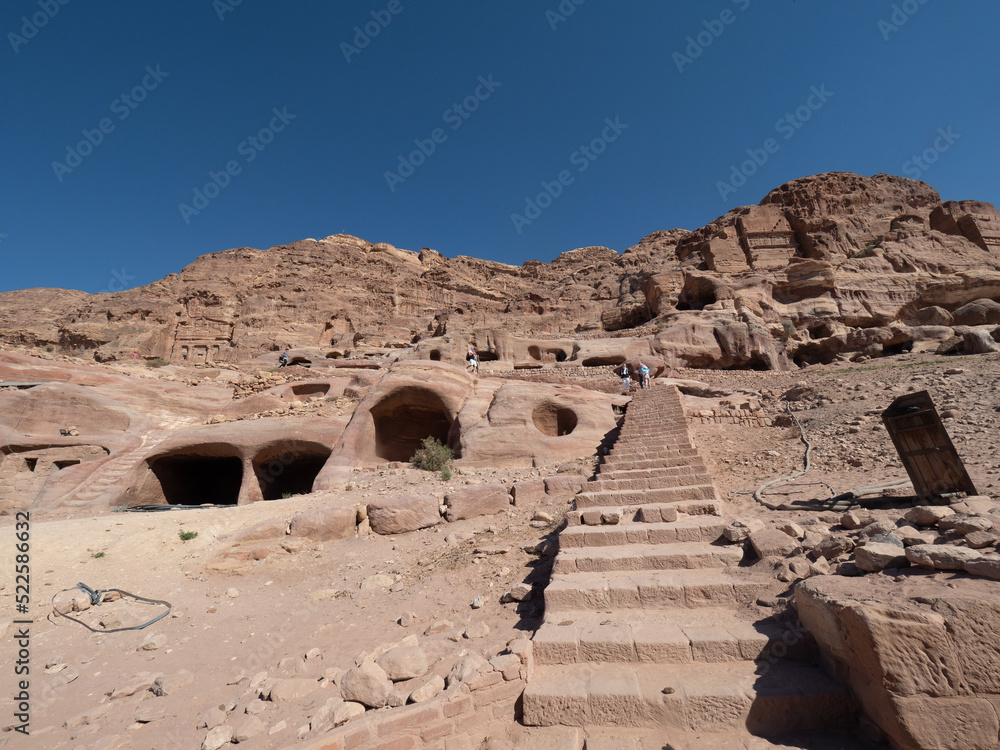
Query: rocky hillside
(825, 266)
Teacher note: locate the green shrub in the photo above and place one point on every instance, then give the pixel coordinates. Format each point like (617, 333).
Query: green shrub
(285, 495)
(432, 455)
(186, 535)
(158, 362)
(98, 555)
(446, 473)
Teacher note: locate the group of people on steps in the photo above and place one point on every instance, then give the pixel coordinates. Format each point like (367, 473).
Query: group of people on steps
(642, 376)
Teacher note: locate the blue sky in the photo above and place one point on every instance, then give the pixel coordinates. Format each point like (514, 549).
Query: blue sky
(138, 136)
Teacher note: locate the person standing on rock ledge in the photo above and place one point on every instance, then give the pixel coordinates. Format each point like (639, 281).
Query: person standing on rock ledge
(472, 357)
(283, 359)
(626, 378)
(643, 376)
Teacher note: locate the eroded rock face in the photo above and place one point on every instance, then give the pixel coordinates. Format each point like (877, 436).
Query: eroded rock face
(758, 287)
(923, 664)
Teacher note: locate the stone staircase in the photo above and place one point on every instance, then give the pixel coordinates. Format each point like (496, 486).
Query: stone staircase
(108, 477)
(650, 623)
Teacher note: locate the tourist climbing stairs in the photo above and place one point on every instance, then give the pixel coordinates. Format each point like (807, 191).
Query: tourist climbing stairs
(650, 622)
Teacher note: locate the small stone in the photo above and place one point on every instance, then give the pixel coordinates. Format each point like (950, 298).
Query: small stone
(407, 619)
(541, 517)
(478, 602)
(741, 529)
(477, 630)
(793, 530)
(380, 581)
(247, 729)
(433, 686)
(153, 642)
(988, 568)
(281, 726)
(291, 689)
(520, 592)
(171, 683)
(874, 556)
(232, 592)
(212, 718)
(852, 520)
(217, 738)
(465, 668)
(928, 515)
(404, 663)
(439, 626)
(833, 546)
(346, 711)
(773, 543)
(611, 517)
(981, 539)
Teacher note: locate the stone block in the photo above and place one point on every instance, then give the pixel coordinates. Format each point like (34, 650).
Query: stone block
(403, 513)
(325, 524)
(471, 502)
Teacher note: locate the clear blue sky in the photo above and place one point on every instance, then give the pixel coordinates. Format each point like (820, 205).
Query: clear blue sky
(197, 86)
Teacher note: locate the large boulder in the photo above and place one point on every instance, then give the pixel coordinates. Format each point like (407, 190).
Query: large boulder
(402, 513)
(470, 502)
(920, 658)
(324, 525)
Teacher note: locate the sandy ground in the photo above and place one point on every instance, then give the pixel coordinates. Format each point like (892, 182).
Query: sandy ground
(226, 628)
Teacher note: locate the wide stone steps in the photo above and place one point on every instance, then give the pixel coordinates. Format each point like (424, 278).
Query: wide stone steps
(679, 477)
(652, 513)
(706, 635)
(627, 738)
(643, 497)
(666, 468)
(658, 461)
(699, 697)
(673, 556)
(648, 589)
(693, 529)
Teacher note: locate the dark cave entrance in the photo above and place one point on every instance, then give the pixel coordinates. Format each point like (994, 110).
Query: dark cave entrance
(289, 470)
(404, 418)
(198, 480)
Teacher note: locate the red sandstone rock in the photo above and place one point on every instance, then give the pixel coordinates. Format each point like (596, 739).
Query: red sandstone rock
(470, 502)
(324, 525)
(396, 515)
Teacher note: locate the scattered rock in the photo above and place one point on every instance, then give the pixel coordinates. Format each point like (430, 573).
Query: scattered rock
(439, 626)
(472, 502)
(402, 513)
(378, 581)
(171, 683)
(291, 689)
(404, 663)
(773, 543)
(833, 546)
(941, 556)
(367, 684)
(477, 630)
(741, 529)
(433, 686)
(247, 729)
(873, 557)
(217, 738)
(324, 525)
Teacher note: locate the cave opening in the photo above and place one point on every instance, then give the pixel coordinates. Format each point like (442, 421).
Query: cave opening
(553, 420)
(199, 480)
(300, 361)
(290, 470)
(404, 418)
(310, 389)
(435, 355)
(603, 361)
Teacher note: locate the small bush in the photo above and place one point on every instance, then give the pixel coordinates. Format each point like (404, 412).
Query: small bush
(120, 509)
(49, 348)
(98, 555)
(158, 362)
(446, 473)
(285, 495)
(187, 535)
(432, 455)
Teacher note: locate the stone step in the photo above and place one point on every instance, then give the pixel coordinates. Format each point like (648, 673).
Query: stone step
(653, 513)
(660, 448)
(630, 738)
(645, 497)
(673, 556)
(649, 589)
(665, 468)
(623, 463)
(683, 636)
(700, 698)
(678, 478)
(691, 529)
